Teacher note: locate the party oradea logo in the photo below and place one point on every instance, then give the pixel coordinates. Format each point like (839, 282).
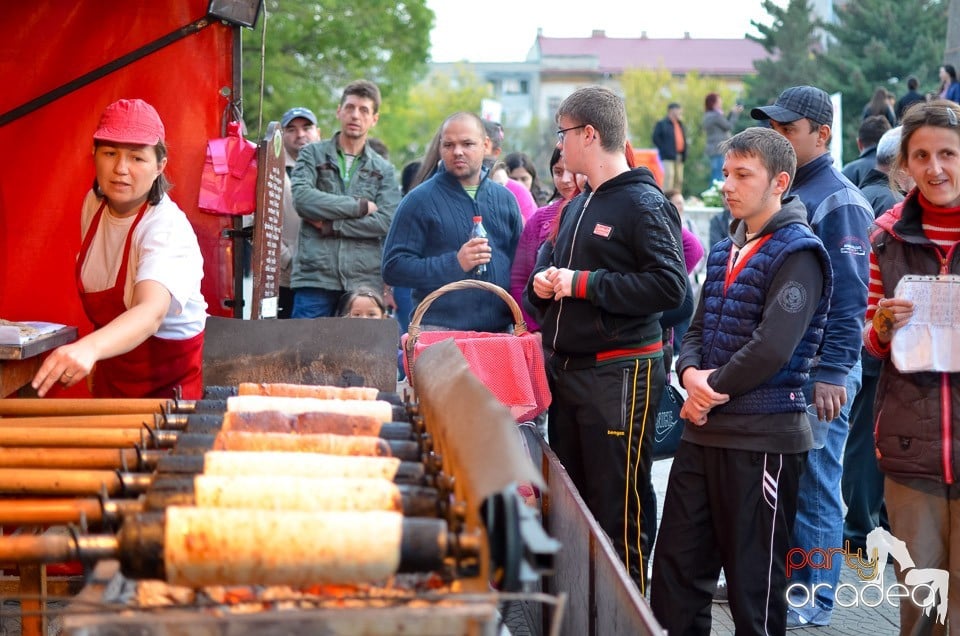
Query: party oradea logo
(924, 587)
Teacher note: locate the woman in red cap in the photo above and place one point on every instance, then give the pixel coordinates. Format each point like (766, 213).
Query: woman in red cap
(138, 272)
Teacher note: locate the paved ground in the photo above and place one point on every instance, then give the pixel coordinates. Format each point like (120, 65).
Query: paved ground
(855, 619)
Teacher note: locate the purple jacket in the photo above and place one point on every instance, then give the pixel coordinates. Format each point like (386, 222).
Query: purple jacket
(534, 233)
(692, 252)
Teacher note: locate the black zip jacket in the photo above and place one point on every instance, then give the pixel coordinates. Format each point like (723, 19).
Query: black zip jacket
(624, 242)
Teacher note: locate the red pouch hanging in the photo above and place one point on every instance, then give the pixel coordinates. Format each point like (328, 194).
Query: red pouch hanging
(228, 183)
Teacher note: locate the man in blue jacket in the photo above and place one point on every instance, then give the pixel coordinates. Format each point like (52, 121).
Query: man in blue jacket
(840, 216)
(429, 242)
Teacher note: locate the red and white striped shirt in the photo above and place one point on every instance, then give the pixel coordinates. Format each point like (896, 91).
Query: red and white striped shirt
(942, 227)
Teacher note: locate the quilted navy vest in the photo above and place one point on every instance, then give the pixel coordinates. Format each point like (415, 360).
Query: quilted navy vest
(730, 318)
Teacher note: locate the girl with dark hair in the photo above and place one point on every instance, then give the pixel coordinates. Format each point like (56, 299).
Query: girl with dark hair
(949, 86)
(917, 410)
(138, 272)
(362, 302)
(880, 105)
(520, 168)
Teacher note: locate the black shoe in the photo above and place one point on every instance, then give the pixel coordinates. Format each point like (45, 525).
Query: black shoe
(720, 594)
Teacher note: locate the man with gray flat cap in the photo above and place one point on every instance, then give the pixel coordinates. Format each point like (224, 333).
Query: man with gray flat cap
(840, 216)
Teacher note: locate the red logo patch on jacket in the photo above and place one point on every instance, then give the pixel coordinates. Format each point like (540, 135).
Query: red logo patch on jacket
(602, 230)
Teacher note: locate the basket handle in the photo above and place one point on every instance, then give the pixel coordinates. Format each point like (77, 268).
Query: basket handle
(413, 331)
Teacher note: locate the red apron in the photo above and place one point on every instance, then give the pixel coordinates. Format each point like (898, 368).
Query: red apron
(155, 367)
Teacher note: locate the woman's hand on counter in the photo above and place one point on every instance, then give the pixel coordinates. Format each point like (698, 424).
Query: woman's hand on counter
(67, 365)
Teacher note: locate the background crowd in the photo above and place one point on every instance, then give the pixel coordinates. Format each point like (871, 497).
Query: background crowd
(599, 264)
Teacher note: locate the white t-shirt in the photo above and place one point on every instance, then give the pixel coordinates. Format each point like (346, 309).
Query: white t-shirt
(164, 249)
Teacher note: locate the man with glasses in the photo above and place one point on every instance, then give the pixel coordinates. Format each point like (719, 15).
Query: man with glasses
(346, 195)
(598, 292)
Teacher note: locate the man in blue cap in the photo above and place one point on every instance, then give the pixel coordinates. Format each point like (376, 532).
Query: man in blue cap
(840, 216)
(299, 127)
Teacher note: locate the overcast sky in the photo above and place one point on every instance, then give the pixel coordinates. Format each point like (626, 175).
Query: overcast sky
(504, 30)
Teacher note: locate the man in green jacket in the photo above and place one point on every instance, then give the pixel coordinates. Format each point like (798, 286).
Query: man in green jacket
(346, 195)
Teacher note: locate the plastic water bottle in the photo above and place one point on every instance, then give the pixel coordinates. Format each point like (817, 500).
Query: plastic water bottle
(479, 232)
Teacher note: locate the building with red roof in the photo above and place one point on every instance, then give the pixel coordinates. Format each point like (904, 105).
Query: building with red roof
(555, 67)
(605, 56)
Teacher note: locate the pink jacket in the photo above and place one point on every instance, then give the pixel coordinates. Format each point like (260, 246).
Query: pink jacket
(527, 204)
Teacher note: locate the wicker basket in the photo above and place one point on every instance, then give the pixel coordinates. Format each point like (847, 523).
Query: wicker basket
(510, 365)
(413, 331)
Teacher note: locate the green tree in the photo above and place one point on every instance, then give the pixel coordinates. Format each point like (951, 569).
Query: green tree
(538, 139)
(409, 123)
(790, 40)
(879, 43)
(647, 94)
(952, 54)
(311, 50)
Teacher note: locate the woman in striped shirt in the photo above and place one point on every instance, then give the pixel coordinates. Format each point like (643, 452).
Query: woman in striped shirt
(918, 413)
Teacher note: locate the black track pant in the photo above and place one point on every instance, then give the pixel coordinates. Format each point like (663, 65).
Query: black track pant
(729, 508)
(601, 426)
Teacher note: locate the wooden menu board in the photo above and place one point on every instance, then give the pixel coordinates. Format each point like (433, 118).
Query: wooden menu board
(268, 224)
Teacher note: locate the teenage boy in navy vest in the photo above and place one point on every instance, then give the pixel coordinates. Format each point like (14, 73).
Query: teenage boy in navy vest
(841, 217)
(732, 494)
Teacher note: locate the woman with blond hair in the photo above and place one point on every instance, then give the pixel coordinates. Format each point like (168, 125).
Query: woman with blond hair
(917, 410)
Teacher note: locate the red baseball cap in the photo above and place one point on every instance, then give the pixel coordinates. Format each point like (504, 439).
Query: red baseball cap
(130, 121)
